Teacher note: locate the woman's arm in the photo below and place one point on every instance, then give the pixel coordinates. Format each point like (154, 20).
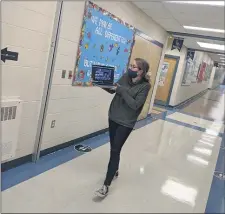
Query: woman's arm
(139, 100)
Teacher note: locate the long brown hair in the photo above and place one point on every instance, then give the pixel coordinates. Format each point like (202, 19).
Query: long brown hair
(144, 66)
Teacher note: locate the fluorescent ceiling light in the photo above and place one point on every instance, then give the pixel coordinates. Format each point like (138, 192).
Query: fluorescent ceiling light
(221, 54)
(211, 46)
(205, 29)
(222, 58)
(211, 3)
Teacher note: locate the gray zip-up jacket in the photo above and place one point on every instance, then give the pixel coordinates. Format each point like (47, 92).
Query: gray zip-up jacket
(129, 100)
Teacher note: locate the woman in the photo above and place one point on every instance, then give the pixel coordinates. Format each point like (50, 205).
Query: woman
(131, 93)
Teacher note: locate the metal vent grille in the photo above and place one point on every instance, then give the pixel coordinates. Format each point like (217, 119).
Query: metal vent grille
(8, 113)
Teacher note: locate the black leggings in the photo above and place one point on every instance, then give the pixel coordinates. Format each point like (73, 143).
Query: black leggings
(118, 135)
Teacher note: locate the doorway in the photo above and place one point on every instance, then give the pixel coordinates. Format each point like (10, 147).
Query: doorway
(166, 80)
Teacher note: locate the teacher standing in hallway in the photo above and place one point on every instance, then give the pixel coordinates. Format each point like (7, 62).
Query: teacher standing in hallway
(131, 93)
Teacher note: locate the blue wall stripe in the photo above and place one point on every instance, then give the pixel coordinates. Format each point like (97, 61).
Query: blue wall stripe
(155, 42)
(148, 38)
(216, 199)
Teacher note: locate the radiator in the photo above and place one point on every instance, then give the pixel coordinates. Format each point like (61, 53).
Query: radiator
(10, 122)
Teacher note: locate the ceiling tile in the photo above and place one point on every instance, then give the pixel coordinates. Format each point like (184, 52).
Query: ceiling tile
(192, 9)
(148, 5)
(173, 17)
(170, 25)
(156, 14)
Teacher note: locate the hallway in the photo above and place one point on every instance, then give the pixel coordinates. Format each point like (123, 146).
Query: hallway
(169, 164)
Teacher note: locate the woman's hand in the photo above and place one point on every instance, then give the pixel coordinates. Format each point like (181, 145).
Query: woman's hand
(114, 88)
(116, 85)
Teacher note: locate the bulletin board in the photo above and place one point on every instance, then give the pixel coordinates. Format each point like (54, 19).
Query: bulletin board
(150, 50)
(105, 40)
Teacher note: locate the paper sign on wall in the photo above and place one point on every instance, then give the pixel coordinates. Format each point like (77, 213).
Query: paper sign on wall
(163, 73)
(105, 40)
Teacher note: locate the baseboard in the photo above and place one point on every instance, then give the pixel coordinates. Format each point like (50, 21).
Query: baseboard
(159, 102)
(16, 162)
(72, 142)
(28, 158)
(190, 100)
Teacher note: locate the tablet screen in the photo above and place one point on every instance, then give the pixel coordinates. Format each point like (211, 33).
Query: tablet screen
(103, 75)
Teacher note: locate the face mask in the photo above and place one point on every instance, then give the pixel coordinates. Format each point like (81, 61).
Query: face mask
(132, 74)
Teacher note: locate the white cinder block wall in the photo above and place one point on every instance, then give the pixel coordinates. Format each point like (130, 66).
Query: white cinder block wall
(212, 81)
(181, 93)
(26, 27)
(79, 111)
(217, 77)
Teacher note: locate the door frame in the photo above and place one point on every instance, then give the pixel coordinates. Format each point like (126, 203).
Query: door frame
(47, 81)
(177, 58)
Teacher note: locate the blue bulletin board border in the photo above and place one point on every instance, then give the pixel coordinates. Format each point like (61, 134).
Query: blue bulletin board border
(148, 38)
(82, 34)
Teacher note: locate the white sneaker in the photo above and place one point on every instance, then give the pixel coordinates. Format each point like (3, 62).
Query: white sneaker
(102, 192)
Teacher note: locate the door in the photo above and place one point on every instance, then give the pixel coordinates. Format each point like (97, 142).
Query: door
(166, 80)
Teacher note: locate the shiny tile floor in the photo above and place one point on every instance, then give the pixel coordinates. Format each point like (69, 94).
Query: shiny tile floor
(166, 166)
(211, 106)
(216, 126)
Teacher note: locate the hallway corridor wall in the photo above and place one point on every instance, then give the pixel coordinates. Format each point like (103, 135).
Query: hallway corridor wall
(80, 111)
(180, 93)
(218, 77)
(26, 28)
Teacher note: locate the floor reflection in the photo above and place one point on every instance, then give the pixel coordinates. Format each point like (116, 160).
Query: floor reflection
(179, 191)
(197, 160)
